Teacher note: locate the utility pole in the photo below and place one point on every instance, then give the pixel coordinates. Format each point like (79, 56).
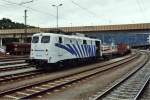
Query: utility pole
(25, 20)
(25, 27)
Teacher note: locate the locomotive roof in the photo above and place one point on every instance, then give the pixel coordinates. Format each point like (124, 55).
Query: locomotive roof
(67, 36)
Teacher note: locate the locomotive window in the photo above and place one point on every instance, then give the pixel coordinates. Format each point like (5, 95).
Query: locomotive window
(84, 42)
(35, 39)
(91, 42)
(60, 39)
(45, 39)
(77, 41)
(70, 41)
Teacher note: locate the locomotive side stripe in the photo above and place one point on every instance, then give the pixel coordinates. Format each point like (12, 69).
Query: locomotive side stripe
(88, 49)
(66, 48)
(85, 50)
(84, 53)
(92, 50)
(72, 49)
(76, 50)
(86, 46)
(95, 50)
(91, 46)
(81, 53)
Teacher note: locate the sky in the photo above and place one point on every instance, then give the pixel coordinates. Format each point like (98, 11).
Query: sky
(41, 13)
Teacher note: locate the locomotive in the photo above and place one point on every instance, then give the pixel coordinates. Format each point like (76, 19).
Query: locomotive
(49, 49)
(53, 49)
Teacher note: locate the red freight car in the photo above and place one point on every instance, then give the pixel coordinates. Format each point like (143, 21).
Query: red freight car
(123, 49)
(18, 48)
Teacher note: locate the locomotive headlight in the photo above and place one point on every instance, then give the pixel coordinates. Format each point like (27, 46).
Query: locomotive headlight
(46, 51)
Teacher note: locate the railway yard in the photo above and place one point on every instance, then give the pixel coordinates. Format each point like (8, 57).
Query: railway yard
(125, 77)
(68, 50)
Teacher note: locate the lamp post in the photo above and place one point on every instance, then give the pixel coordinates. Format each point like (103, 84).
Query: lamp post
(57, 6)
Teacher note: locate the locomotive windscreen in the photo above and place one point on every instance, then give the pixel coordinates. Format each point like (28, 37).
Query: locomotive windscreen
(35, 39)
(45, 39)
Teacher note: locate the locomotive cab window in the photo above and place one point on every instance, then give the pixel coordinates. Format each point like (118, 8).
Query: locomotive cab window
(91, 42)
(70, 41)
(84, 42)
(35, 39)
(60, 40)
(97, 43)
(45, 39)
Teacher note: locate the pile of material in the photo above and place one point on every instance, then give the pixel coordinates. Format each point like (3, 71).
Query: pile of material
(2, 52)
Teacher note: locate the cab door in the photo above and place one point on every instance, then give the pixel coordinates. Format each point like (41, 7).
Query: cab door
(60, 53)
(97, 43)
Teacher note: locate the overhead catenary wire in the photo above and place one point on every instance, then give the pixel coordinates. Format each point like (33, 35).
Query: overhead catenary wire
(2, 6)
(4, 3)
(90, 12)
(141, 9)
(33, 9)
(26, 2)
(83, 8)
(140, 6)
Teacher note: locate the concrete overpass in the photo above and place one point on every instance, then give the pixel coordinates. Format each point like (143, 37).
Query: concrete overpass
(101, 29)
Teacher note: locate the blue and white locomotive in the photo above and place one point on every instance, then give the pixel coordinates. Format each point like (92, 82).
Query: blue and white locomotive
(49, 49)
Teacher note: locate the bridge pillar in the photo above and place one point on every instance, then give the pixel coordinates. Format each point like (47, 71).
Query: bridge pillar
(21, 40)
(1, 42)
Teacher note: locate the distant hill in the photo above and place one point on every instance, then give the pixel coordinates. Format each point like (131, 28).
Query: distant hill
(6, 23)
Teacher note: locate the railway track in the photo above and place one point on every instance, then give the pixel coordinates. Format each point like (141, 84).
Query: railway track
(35, 89)
(14, 67)
(18, 76)
(15, 77)
(144, 94)
(130, 87)
(28, 75)
(13, 58)
(13, 63)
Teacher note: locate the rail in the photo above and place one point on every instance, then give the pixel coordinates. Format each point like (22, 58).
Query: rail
(68, 79)
(110, 90)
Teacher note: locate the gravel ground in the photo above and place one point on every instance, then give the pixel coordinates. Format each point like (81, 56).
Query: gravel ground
(85, 89)
(146, 94)
(16, 71)
(51, 76)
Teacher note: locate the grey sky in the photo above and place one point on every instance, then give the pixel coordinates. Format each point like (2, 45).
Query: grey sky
(78, 12)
